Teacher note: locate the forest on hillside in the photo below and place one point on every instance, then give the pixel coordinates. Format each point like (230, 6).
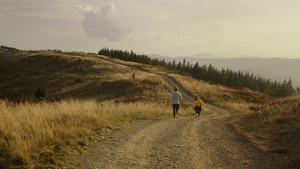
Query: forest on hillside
(226, 77)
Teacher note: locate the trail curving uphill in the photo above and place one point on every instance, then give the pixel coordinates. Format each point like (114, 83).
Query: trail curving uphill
(185, 143)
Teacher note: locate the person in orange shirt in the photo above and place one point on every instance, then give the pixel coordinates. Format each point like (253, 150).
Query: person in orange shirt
(198, 106)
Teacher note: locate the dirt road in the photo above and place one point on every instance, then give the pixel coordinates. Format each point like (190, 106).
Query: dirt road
(185, 143)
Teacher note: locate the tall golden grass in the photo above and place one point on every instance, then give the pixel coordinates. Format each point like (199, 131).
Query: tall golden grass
(29, 129)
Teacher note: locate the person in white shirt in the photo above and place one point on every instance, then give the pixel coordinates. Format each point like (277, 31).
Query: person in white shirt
(176, 97)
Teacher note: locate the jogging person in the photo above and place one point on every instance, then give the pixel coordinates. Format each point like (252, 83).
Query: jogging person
(176, 97)
(197, 106)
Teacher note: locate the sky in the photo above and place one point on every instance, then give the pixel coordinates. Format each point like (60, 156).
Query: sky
(223, 28)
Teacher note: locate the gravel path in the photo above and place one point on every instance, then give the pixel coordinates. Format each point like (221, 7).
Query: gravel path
(185, 143)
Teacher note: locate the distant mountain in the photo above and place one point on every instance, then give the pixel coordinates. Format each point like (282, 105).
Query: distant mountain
(180, 58)
(269, 68)
(249, 56)
(205, 56)
(161, 57)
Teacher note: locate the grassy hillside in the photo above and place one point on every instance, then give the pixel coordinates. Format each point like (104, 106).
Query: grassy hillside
(244, 101)
(51, 100)
(73, 75)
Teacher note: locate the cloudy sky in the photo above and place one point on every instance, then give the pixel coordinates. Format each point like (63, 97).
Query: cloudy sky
(226, 28)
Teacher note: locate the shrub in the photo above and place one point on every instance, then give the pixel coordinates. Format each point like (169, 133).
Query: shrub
(41, 92)
(78, 80)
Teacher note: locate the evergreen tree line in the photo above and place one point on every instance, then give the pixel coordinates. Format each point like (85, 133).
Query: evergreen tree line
(226, 77)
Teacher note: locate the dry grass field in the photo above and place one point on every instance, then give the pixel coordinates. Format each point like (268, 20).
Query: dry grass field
(83, 94)
(50, 100)
(32, 132)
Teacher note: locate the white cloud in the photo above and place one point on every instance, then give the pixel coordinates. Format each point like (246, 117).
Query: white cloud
(85, 9)
(104, 24)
